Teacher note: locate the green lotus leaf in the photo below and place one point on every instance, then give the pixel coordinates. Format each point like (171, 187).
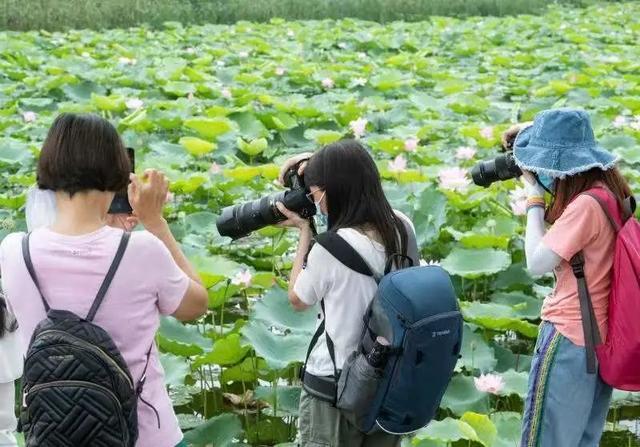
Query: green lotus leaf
(476, 263)
(209, 128)
(196, 146)
(219, 431)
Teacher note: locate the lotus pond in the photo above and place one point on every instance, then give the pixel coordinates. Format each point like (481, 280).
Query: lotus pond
(218, 107)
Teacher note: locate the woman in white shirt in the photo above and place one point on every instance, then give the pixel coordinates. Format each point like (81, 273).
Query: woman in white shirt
(345, 185)
(10, 371)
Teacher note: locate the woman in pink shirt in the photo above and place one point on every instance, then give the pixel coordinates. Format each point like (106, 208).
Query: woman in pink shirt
(84, 161)
(566, 405)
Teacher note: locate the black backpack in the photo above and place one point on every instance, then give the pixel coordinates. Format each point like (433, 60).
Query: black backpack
(77, 388)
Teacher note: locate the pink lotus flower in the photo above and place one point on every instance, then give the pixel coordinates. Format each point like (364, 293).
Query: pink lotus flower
(399, 164)
(465, 153)
(454, 179)
(518, 201)
(358, 127)
(29, 117)
(226, 93)
(134, 103)
(486, 133)
(619, 121)
(242, 278)
(411, 144)
(215, 168)
(328, 83)
(170, 197)
(280, 71)
(489, 383)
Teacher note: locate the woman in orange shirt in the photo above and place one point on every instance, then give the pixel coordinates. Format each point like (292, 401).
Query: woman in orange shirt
(566, 406)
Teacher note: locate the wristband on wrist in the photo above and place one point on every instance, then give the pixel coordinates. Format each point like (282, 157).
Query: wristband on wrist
(535, 202)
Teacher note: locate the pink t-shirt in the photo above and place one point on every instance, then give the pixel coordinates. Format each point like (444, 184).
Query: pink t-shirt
(70, 270)
(582, 227)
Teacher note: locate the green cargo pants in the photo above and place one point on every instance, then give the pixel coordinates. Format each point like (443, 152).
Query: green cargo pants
(322, 425)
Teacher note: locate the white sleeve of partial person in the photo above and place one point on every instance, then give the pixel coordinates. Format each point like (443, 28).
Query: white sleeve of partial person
(540, 258)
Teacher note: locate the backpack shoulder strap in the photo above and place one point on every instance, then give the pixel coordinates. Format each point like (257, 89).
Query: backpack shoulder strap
(26, 254)
(124, 241)
(589, 323)
(344, 252)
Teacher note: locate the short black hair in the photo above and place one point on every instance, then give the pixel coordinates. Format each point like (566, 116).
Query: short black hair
(83, 152)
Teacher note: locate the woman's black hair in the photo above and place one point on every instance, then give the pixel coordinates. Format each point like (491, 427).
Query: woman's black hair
(6, 324)
(351, 181)
(82, 153)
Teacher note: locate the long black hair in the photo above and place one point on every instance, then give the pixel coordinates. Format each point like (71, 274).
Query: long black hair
(6, 324)
(351, 181)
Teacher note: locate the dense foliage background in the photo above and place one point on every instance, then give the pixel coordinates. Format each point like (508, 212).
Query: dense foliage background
(218, 107)
(63, 14)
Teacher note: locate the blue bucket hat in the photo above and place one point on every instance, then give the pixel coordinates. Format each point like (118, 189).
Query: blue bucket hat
(560, 143)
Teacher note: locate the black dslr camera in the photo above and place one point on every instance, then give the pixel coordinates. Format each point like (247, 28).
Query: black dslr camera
(503, 167)
(239, 220)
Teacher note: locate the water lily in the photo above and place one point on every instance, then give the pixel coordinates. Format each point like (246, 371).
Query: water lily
(29, 117)
(619, 121)
(342, 45)
(226, 93)
(215, 168)
(170, 197)
(489, 383)
(358, 127)
(361, 55)
(220, 63)
(454, 178)
(242, 278)
(134, 103)
(399, 164)
(411, 144)
(359, 82)
(486, 133)
(290, 33)
(190, 96)
(328, 83)
(518, 201)
(126, 61)
(465, 153)
(243, 54)
(85, 54)
(190, 50)
(280, 71)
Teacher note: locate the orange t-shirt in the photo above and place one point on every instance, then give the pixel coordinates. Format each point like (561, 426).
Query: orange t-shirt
(582, 227)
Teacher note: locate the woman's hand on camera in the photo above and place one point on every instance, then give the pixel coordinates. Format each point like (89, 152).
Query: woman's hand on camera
(531, 185)
(290, 163)
(126, 222)
(147, 197)
(293, 219)
(509, 135)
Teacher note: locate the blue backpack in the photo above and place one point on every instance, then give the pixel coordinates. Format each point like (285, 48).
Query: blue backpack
(415, 309)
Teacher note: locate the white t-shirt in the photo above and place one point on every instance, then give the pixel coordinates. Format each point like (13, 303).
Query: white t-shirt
(346, 293)
(10, 370)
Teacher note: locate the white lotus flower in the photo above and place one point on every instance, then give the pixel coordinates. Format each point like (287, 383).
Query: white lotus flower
(215, 168)
(280, 71)
(454, 178)
(360, 82)
(619, 121)
(518, 201)
(399, 164)
(489, 383)
(226, 93)
(242, 278)
(328, 83)
(126, 61)
(29, 117)
(411, 144)
(243, 54)
(342, 45)
(290, 33)
(465, 153)
(486, 132)
(358, 127)
(134, 103)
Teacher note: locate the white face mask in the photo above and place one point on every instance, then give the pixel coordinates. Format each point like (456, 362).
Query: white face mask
(322, 220)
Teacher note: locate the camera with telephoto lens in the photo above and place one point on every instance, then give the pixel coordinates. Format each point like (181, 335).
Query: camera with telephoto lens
(503, 167)
(237, 221)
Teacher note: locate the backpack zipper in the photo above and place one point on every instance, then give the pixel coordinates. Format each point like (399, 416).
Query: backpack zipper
(80, 383)
(99, 352)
